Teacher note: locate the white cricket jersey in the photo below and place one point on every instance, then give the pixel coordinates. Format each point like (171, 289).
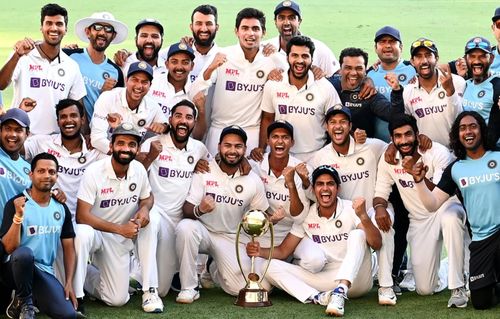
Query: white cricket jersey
(330, 234)
(171, 173)
(163, 92)
(71, 166)
(234, 195)
(357, 170)
(436, 159)
(47, 83)
(304, 108)
(115, 101)
(238, 87)
(322, 57)
(435, 112)
(114, 200)
(278, 195)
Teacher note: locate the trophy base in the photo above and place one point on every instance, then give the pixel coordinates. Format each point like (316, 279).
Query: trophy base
(251, 298)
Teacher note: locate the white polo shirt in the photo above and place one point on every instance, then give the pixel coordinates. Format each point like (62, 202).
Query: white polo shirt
(238, 87)
(234, 195)
(115, 101)
(330, 234)
(305, 109)
(163, 92)
(436, 159)
(323, 57)
(171, 173)
(435, 112)
(114, 200)
(357, 170)
(71, 166)
(278, 196)
(47, 83)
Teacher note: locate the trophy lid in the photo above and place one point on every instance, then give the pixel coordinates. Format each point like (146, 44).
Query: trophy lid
(255, 223)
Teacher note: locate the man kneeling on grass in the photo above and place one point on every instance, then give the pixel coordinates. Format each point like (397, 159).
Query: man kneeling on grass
(339, 234)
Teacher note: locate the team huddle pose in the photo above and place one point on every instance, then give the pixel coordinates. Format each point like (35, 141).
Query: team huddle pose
(133, 171)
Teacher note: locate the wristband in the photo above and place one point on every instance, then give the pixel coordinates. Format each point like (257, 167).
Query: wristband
(379, 205)
(18, 220)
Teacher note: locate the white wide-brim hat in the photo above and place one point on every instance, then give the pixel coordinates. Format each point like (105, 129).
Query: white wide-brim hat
(104, 17)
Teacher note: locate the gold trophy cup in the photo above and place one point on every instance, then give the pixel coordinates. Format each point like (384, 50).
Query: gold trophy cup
(255, 224)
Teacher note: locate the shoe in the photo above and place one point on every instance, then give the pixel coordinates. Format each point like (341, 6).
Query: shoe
(134, 286)
(386, 296)
(187, 296)
(151, 302)
(80, 310)
(408, 282)
(27, 311)
(336, 305)
(21, 310)
(206, 280)
(323, 298)
(458, 298)
(14, 308)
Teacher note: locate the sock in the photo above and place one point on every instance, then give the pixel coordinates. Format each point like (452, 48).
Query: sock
(343, 287)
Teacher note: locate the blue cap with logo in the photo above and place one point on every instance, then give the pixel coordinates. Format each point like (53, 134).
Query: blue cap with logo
(496, 15)
(234, 129)
(18, 115)
(287, 5)
(180, 47)
(478, 43)
(325, 169)
(338, 109)
(149, 21)
(140, 66)
(388, 30)
(280, 124)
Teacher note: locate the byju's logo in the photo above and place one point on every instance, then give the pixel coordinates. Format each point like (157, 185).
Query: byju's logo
(163, 171)
(420, 113)
(2, 171)
(35, 82)
(316, 239)
(230, 86)
(105, 203)
(282, 108)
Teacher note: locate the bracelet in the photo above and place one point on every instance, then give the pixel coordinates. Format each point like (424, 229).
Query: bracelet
(197, 212)
(379, 205)
(18, 220)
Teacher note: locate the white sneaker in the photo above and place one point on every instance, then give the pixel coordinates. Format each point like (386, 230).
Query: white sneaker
(458, 298)
(323, 298)
(187, 296)
(206, 280)
(408, 282)
(151, 302)
(336, 305)
(386, 296)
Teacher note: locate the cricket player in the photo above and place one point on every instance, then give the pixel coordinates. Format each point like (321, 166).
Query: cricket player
(428, 229)
(212, 212)
(170, 160)
(43, 72)
(476, 176)
(33, 226)
(340, 235)
(113, 208)
(299, 99)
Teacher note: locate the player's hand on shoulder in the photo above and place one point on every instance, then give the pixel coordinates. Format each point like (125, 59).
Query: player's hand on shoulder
(268, 49)
(424, 143)
(245, 166)
(24, 46)
(390, 154)
(368, 89)
(71, 46)
(187, 40)
(121, 56)
(317, 72)
(257, 154)
(58, 195)
(275, 75)
(202, 166)
(461, 66)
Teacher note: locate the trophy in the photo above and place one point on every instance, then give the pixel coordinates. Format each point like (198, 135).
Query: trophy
(255, 224)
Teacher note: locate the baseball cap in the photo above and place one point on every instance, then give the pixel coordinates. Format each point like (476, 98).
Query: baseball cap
(101, 17)
(18, 115)
(233, 129)
(287, 5)
(478, 43)
(325, 169)
(280, 124)
(496, 16)
(127, 128)
(423, 43)
(140, 66)
(338, 109)
(388, 30)
(180, 47)
(149, 21)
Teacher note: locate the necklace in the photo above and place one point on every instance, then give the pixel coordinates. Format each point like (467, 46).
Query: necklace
(46, 55)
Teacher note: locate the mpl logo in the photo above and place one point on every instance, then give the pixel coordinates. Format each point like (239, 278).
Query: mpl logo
(282, 108)
(282, 95)
(35, 82)
(212, 183)
(230, 86)
(313, 226)
(232, 72)
(35, 67)
(106, 190)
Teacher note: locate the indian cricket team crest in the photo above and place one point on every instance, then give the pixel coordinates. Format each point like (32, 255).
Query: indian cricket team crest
(441, 95)
(106, 16)
(287, 3)
(481, 93)
(57, 215)
(141, 122)
(142, 65)
(238, 189)
(105, 75)
(61, 72)
(26, 170)
(82, 159)
(132, 187)
(182, 46)
(360, 161)
(402, 77)
(338, 223)
(260, 74)
(354, 96)
(309, 97)
(190, 159)
(492, 164)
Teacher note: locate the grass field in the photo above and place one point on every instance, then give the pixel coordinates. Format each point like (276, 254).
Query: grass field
(337, 23)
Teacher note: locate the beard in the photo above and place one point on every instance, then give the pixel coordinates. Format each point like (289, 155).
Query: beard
(149, 58)
(204, 43)
(230, 164)
(123, 161)
(181, 139)
(412, 151)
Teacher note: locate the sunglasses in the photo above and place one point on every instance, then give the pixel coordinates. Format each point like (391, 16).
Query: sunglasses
(424, 43)
(99, 27)
(478, 45)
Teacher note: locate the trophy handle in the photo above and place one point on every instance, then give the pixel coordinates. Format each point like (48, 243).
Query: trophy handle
(238, 252)
(271, 249)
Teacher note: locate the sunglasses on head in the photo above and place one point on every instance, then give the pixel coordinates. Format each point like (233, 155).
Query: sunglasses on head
(425, 43)
(478, 45)
(99, 27)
